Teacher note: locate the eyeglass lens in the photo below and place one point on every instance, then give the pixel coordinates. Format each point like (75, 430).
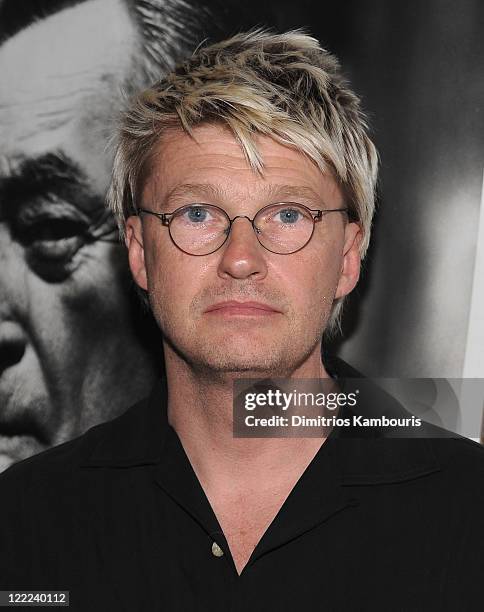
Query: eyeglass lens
(200, 229)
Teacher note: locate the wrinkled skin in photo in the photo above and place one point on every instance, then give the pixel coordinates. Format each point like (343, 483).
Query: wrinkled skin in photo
(71, 331)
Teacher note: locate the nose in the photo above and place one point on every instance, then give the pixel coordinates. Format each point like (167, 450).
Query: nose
(242, 255)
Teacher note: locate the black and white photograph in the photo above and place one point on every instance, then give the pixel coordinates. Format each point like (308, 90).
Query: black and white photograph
(195, 195)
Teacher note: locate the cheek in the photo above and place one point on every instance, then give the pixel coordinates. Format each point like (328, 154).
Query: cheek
(312, 282)
(93, 306)
(172, 281)
(327, 268)
(326, 276)
(101, 281)
(58, 328)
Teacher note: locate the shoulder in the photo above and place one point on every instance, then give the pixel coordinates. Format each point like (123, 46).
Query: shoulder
(58, 463)
(452, 451)
(460, 461)
(455, 491)
(461, 455)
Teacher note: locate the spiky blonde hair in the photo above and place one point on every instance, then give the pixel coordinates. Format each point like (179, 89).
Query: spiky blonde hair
(280, 85)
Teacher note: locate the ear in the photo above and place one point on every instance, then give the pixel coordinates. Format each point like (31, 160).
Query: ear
(136, 252)
(350, 267)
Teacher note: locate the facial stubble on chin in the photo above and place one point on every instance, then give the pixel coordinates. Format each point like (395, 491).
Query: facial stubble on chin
(236, 347)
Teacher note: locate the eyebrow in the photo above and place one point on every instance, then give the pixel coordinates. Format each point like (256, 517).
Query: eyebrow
(214, 191)
(52, 173)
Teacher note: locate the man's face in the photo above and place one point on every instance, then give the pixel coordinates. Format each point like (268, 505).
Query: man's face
(66, 338)
(300, 287)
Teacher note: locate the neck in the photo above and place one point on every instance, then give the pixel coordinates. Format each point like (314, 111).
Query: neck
(200, 409)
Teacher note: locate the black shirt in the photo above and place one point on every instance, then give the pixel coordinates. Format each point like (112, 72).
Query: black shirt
(118, 518)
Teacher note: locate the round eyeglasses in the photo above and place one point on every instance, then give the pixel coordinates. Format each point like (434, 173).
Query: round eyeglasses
(201, 229)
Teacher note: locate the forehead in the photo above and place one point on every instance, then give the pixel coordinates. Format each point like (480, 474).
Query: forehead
(213, 157)
(57, 74)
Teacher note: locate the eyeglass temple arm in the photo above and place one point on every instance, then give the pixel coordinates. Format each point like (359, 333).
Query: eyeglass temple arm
(318, 214)
(164, 217)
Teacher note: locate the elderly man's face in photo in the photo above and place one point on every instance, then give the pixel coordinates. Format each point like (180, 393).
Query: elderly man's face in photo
(186, 290)
(67, 343)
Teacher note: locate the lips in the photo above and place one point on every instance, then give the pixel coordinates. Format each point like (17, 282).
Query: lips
(20, 419)
(21, 433)
(5, 462)
(234, 307)
(16, 448)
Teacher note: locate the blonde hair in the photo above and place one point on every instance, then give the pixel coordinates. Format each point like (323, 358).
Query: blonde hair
(280, 85)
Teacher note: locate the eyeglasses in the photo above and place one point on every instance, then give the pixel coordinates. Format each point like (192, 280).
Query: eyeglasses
(201, 229)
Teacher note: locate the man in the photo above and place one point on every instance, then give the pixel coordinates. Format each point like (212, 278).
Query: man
(243, 184)
(73, 346)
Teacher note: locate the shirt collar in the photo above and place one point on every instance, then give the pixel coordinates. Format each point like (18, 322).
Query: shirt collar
(135, 438)
(363, 455)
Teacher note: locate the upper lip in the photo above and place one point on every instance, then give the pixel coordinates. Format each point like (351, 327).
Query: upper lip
(258, 305)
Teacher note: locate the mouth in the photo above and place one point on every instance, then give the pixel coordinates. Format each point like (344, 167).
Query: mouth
(21, 434)
(24, 417)
(5, 462)
(17, 447)
(253, 309)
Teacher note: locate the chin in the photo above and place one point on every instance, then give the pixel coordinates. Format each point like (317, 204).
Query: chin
(5, 462)
(251, 352)
(250, 363)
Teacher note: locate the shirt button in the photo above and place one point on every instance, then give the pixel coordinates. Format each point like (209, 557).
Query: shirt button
(216, 550)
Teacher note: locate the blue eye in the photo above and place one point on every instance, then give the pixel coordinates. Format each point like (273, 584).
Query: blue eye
(197, 214)
(289, 215)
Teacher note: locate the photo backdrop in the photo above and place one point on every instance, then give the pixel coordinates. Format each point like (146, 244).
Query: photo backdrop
(75, 348)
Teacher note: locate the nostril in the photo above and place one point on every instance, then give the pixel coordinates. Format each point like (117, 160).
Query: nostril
(12, 345)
